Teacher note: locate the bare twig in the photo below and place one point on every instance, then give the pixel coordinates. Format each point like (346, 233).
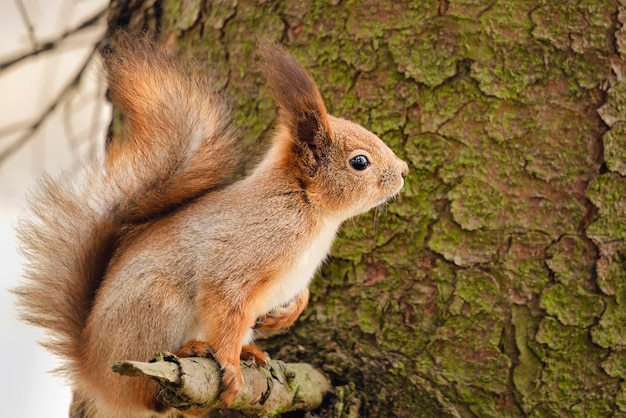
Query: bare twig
(49, 45)
(68, 129)
(32, 129)
(13, 127)
(30, 29)
(80, 102)
(194, 382)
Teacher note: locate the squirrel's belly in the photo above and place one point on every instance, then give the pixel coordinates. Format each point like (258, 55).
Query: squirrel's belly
(295, 279)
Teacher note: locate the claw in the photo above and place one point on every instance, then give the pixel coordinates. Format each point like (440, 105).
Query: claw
(195, 348)
(232, 381)
(255, 355)
(260, 321)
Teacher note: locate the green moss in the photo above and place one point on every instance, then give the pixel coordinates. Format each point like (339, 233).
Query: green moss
(368, 317)
(351, 244)
(475, 204)
(615, 363)
(583, 69)
(443, 275)
(506, 75)
(484, 404)
(615, 148)
(394, 338)
(326, 18)
(611, 271)
(606, 192)
(417, 398)
(608, 228)
(428, 152)
(508, 120)
(461, 247)
(466, 352)
(216, 13)
(341, 272)
(561, 338)
(571, 374)
(468, 9)
(481, 291)
(591, 408)
(180, 14)
(348, 402)
(418, 201)
(456, 306)
(527, 371)
(558, 34)
(614, 109)
(547, 410)
(608, 332)
(572, 305)
(467, 125)
(438, 105)
(571, 258)
(171, 10)
(431, 54)
(524, 265)
(508, 21)
(570, 157)
(620, 398)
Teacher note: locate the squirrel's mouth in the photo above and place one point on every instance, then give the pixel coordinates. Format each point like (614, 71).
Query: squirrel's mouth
(394, 194)
(390, 197)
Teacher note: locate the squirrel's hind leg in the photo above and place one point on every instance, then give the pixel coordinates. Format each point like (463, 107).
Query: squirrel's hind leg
(253, 353)
(283, 316)
(226, 332)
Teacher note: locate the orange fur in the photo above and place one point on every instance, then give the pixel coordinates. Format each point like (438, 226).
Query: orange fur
(284, 316)
(254, 354)
(156, 249)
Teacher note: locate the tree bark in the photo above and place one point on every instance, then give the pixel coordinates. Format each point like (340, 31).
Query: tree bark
(495, 284)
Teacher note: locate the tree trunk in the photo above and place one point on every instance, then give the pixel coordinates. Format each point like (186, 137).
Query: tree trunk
(495, 284)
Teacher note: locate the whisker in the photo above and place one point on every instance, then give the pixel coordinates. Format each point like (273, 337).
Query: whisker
(375, 220)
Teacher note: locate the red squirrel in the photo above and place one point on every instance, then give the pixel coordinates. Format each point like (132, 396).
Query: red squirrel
(156, 248)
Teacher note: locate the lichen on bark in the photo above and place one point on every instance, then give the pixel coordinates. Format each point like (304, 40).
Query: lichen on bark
(494, 285)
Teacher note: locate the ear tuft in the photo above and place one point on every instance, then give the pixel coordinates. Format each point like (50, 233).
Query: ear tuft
(291, 85)
(301, 109)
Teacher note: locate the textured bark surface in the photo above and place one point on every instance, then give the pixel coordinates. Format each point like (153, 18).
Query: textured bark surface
(495, 285)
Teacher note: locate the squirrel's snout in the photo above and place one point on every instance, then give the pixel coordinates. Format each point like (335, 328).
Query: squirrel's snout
(404, 171)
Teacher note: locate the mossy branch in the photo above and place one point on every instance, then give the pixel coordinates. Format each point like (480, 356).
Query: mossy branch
(194, 383)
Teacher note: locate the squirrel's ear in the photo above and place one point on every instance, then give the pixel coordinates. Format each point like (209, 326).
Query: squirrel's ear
(301, 109)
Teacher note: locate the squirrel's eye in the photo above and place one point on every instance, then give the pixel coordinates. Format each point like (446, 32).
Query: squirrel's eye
(360, 162)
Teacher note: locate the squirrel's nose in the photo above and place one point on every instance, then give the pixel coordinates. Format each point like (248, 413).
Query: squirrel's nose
(404, 170)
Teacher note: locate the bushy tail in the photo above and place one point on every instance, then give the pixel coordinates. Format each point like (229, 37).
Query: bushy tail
(179, 139)
(178, 143)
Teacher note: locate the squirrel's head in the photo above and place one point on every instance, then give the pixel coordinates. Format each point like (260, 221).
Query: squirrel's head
(340, 166)
(361, 172)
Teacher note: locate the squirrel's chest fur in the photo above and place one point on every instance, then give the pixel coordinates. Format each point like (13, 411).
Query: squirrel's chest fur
(297, 274)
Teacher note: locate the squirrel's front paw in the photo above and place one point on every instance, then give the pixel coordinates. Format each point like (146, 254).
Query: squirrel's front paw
(232, 381)
(195, 348)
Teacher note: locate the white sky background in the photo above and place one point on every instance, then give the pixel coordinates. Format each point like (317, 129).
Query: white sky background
(72, 131)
